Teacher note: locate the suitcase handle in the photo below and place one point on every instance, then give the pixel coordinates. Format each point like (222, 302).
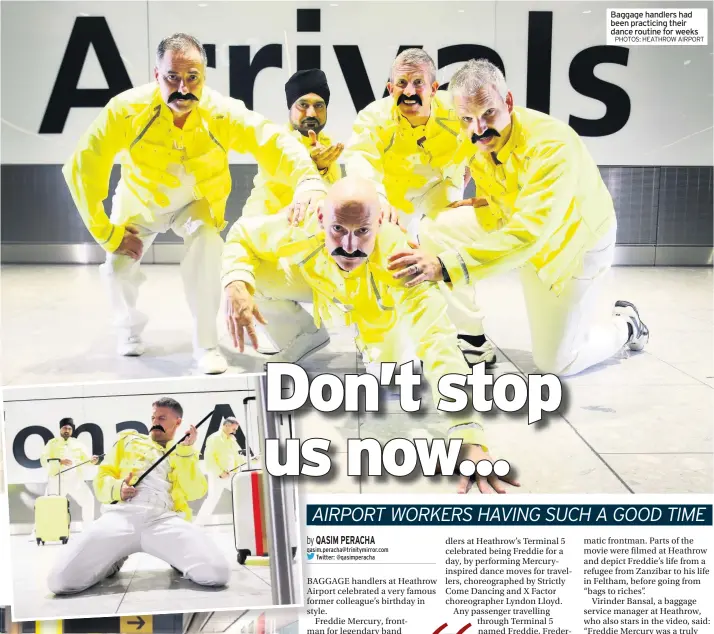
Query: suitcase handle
(59, 471)
(246, 433)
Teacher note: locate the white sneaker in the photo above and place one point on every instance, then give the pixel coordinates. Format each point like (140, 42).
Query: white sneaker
(478, 354)
(302, 346)
(130, 346)
(211, 362)
(640, 333)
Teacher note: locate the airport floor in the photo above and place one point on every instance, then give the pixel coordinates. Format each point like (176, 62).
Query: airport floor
(640, 423)
(141, 587)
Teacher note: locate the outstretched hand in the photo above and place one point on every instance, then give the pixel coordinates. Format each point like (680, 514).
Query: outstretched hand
(241, 314)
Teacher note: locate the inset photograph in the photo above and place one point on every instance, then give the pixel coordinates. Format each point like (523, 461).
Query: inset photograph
(147, 497)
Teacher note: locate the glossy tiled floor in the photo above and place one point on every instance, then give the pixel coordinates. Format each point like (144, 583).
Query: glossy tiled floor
(145, 585)
(641, 424)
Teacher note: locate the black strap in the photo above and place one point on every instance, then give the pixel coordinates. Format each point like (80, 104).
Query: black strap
(166, 455)
(444, 272)
(83, 463)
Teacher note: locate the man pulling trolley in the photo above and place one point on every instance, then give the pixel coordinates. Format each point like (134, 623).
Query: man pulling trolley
(67, 456)
(222, 459)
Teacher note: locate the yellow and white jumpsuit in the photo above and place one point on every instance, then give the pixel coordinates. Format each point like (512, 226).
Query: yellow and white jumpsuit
(282, 264)
(221, 456)
(176, 179)
(155, 521)
(72, 483)
(550, 214)
(414, 170)
(270, 196)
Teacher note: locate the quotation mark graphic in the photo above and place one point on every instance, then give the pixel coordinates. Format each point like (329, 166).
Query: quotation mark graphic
(441, 628)
(484, 468)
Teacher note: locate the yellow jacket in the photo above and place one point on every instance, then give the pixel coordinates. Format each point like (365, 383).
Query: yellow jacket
(135, 453)
(368, 297)
(548, 204)
(59, 448)
(270, 195)
(222, 453)
(411, 174)
(137, 124)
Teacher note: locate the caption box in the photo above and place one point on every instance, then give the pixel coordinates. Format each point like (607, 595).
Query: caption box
(657, 27)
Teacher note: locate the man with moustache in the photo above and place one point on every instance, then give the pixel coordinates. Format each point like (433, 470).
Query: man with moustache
(152, 518)
(174, 137)
(337, 260)
(70, 453)
(308, 95)
(405, 144)
(544, 208)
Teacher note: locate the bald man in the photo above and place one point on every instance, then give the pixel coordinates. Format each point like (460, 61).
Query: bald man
(338, 261)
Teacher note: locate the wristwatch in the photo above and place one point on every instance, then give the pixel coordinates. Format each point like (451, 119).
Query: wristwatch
(444, 272)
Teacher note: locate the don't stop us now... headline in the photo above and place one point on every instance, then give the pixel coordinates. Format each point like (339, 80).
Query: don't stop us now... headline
(289, 388)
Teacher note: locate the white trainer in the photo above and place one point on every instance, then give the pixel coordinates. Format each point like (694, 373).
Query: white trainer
(478, 354)
(130, 346)
(302, 346)
(640, 333)
(211, 361)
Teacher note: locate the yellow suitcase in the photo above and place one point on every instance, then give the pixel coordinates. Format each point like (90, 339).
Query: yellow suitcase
(52, 518)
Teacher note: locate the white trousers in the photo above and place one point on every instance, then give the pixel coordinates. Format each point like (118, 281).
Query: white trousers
(565, 333)
(463, 310)
(137, 526)
(279, 299)
(200, 271)
(78, 490)
(216, 487)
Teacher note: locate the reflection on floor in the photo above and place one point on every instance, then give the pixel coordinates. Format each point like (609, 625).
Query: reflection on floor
(640, 424)
(145, 585)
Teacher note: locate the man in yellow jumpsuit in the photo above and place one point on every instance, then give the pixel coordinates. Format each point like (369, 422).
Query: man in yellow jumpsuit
(70, 453)
(307, 95)
(152, 517)
(221, 459)
(405, 143)
(542, 206)
(173, 137)
(337, 261)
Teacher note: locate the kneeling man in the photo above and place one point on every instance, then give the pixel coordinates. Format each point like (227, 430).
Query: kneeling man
(152, 518)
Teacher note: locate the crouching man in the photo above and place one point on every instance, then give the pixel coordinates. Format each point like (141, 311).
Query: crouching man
(152, 518)
(338, 261)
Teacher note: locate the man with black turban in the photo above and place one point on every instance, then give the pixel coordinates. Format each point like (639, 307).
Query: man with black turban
(70, 453)
(307, 95)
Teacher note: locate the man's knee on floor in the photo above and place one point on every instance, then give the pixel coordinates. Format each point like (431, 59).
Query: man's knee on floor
(61, 580)
(215, 571)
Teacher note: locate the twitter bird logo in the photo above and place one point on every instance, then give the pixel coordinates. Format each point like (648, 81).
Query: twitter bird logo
(310, 556)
